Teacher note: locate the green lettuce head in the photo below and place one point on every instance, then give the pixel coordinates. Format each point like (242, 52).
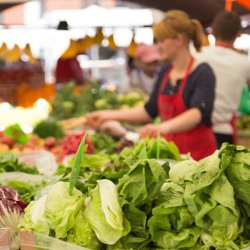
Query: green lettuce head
(104, 214)
(33, 219)
(62, 208)
(82, 235)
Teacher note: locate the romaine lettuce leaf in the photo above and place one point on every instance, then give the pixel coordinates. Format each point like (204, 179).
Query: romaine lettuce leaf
(34, 219)
(104, 214)
(82, 235)
(62, 208)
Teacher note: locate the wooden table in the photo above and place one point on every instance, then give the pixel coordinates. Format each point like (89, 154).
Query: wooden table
(244, 138)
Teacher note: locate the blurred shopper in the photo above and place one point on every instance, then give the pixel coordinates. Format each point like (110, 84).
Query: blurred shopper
(232, 69)
(183, 94)
(68, 67)
(143, 68)
(67, 70)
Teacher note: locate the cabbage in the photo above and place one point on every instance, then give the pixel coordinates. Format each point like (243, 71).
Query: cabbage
(104, 214)
(62, 208)
(34, 219)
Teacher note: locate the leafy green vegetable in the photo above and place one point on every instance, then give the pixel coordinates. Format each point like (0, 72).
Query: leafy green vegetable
(62, 208)
(104, 214)
(9, 163)
(138, 188)
(77, 164)
(238, 173)
(26, 191)
(158, 204)
(153, 149)
(25, 180)
(139, 237)
(141, 185)
(95, 161)
(48, 128)
(92, 96)
(196, 207)
(33, 180)
(81, 234)
(171, 223)
(103, 142)
(67, 103)
(16, 133)
(34, 219)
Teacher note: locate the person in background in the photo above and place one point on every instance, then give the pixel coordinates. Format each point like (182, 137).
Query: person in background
(183, 94)
(232, 70)
(143, 68)
(67, 70)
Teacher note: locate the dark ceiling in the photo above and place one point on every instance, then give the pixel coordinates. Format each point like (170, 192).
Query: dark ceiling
(204, 10)
(5, 4)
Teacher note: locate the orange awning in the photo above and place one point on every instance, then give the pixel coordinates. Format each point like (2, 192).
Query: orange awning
(245, 3)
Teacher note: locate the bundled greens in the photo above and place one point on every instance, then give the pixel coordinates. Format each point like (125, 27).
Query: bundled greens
(25, 180)
(92, 96)
(9, 163)
(82, 234)
(60, 215)
(48, 128)
(103, 142)
(149, 197)
(104, 214)
(16, 133)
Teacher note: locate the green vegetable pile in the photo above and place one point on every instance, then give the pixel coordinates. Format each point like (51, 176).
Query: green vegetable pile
(48, 128)
(92, 96)
(243, 122)
(103, 143)
(25, 180)
(149, 197)
(9, 163)
(16, 133)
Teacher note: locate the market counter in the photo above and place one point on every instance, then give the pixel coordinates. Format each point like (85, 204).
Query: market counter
(244, 138)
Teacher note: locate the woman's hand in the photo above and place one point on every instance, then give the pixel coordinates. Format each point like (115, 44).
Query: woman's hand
(95, 119)
(152, 130)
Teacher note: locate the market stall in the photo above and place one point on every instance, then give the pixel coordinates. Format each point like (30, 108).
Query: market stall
(67, 185)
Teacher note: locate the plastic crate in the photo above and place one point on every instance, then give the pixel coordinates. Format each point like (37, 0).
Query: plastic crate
(8, 92)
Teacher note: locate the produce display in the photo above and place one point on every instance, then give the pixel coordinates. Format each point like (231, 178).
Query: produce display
(128, 195)
(147, 196)
(69, 103)
(243, 122)
(11, 210)
(27, 117)
(19, 72)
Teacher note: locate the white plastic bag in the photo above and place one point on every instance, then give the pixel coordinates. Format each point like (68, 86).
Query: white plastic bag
(43, 160)
(32, 241)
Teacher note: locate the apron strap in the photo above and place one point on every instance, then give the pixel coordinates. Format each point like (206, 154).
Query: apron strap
(165, 80)
(184, 80)
(233, 124)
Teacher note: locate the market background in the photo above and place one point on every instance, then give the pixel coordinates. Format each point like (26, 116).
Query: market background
(42, 121)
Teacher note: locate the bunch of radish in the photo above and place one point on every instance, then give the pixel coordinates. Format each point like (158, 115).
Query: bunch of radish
(71, 142)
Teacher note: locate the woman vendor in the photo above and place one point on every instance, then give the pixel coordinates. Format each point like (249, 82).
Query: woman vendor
(183, 94)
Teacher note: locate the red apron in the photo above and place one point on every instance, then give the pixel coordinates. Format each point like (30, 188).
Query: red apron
(233, 120)
(199, 141)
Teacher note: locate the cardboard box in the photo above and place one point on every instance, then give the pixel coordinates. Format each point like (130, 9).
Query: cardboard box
(5, 239)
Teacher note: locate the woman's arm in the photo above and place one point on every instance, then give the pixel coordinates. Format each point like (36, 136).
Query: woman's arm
(133, 115)
(181, 123)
